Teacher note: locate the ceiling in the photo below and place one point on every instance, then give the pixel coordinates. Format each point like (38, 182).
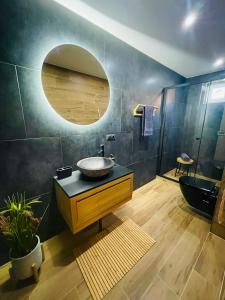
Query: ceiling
(154, 27)
(76, 59)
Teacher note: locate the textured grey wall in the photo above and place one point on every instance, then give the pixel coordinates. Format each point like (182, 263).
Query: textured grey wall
(34, 139)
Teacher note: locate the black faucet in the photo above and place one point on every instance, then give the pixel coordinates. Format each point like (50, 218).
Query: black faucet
(101, 152)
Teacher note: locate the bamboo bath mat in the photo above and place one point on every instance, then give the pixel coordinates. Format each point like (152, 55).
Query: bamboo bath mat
(105, 259)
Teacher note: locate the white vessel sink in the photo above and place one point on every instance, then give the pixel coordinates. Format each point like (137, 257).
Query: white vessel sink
(95, 166)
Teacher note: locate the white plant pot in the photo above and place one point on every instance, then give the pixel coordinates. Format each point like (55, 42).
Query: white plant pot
(22, 266)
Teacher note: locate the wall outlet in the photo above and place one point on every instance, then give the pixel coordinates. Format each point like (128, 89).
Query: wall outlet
(110, 137)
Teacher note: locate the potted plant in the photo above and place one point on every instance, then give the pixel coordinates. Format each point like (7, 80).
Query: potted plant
(19, 227)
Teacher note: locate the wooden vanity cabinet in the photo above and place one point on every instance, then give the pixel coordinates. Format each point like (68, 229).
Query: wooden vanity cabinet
(89, 206)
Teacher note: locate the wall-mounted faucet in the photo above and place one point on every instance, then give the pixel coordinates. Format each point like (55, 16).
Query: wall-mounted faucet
(112, 157)
(101, 152)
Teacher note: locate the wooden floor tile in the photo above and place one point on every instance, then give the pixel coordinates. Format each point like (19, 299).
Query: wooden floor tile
(198, 288)
(211, 263)
(159, 290)
(177, 269)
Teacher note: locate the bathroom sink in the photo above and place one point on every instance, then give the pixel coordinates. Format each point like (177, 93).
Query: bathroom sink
(95, 166)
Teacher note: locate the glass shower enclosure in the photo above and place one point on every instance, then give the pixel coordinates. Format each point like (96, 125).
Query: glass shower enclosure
(193, 122)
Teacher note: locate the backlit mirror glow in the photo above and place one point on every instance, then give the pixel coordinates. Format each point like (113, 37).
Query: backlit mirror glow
(75, 84)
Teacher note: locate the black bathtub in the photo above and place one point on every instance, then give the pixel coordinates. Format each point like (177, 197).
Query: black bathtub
(201, 194)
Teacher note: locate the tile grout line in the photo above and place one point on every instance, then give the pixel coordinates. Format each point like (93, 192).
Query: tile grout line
(203, 245)
(221, 289)
(70, 290)
(121, 108)
(18, 85)
(174, 293)
(20, 66)
(57, 136)
(122, 289)
(62, 158)
(30, 138)
(169, 288)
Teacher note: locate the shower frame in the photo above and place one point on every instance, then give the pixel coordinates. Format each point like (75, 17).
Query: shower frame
(163, 118)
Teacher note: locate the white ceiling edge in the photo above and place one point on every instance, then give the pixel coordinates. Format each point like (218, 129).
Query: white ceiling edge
(178, 61)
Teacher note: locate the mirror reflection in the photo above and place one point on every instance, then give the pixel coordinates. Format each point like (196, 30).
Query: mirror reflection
(75, 84)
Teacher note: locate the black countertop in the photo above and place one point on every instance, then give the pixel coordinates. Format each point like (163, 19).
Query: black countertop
(77, 183)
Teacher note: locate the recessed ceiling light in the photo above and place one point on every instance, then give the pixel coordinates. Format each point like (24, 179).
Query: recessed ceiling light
(218, 62)
(189, 20)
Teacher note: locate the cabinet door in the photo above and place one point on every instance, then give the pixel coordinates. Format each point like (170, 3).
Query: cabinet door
(103, 201)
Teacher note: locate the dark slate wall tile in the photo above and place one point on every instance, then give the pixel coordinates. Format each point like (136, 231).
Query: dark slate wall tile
(168, 162)
(118, 58)
(121, 148)
(92, 38)
(29, 165)
(145, 147)
(143, 74)
(130, 99)
(144, 171)
(11, 115)
(35, 28)
(175, 113)
(153, 143)
(52, 222)
(4, 251)
(172, 140)
(77, 147)
(40, 118)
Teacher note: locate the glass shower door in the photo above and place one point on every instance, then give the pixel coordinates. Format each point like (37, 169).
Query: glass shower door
(184, 113)
(194, 123)
(196, 105)
(211, 155)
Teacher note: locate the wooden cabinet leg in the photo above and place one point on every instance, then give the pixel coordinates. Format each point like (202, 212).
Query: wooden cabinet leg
(35, 273)
(100, 225)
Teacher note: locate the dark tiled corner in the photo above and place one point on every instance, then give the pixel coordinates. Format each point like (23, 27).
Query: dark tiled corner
(4, 251)
(172, 140)
(119, 59)
(29, 165)
(77, 147)
(144, 171)
(11, 115)
(41, 120)
(168, 162)
(92, 38)
(121, 148)
(145, 147)
(52, 222)
(42, 25)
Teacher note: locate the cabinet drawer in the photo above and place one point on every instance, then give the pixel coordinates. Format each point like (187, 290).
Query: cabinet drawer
(98, 203)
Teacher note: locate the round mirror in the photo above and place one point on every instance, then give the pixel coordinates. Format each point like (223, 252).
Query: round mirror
(75, 84)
